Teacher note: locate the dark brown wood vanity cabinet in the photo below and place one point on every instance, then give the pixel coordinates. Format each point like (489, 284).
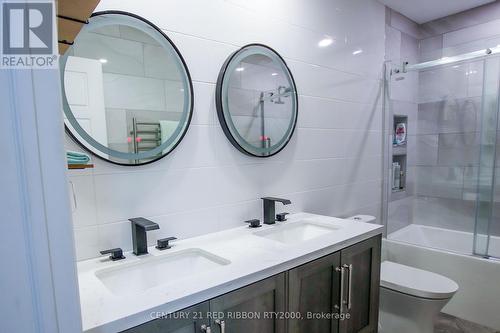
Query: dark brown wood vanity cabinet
(189, 320)
(313, 289)
(338, 293)
(251, 309)
(261, 302)
(362, 261)
(306, 299)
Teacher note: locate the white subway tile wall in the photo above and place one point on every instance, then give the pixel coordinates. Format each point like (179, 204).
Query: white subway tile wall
(331, 166)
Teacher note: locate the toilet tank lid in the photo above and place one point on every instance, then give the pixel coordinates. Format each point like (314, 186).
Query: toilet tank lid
(416, 282)
(363, 218)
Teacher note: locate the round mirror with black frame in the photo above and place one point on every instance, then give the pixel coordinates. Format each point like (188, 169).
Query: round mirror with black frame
(127, 92)
(256, 101)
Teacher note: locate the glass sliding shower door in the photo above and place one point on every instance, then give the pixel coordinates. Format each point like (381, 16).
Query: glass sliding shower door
(442, 184)
(487, 227)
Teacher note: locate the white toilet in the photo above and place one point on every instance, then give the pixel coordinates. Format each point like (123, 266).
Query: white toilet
(410, 298)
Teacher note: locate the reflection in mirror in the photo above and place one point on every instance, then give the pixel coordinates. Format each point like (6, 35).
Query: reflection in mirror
(128, 93)
(257, 101)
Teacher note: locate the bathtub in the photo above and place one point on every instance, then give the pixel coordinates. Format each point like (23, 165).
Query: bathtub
(445, 251)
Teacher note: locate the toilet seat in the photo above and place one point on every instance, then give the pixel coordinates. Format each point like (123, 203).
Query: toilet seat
(416, 282)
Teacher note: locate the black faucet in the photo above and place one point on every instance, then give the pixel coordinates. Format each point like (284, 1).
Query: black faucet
(269, 209)
(139, 240)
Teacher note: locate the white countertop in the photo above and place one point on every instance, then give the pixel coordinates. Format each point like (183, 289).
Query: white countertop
(252, 259)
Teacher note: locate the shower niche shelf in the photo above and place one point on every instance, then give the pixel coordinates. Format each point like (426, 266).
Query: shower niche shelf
(398, 179)
(398, 156)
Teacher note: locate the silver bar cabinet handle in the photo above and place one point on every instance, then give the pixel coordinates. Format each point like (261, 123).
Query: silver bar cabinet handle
(205, 328)
(349, 286)
(222, 325)
(342, 273)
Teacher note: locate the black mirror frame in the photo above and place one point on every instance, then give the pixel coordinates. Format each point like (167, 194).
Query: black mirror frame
(219, 104)
(188, 75)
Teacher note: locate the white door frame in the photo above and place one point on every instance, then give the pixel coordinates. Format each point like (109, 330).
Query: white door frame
(38, 277)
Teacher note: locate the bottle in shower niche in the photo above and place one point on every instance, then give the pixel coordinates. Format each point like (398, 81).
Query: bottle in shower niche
(400, 134)
(396, 176)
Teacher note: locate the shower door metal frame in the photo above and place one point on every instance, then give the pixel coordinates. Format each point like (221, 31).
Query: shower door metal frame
(486, 176)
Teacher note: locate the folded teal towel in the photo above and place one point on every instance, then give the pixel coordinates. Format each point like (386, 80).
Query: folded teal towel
(74, 157)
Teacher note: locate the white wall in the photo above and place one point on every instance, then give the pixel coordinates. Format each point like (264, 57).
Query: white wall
(331, 166)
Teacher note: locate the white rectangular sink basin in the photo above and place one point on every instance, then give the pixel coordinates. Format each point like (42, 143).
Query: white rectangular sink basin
(296, 232)
(166, 269)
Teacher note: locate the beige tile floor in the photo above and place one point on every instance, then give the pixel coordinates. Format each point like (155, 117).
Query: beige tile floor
(450, 324)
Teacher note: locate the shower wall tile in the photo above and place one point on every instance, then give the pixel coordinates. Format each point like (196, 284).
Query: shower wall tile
(404, 24)
(449, 116)
(444, 83)
(404, 87)
(431, 48)
(470, 182)
(471, 34)
(411, 180)
(467, 47)
(462, 20)
(402, 46)
(392, 44)
(427, 150)
(400, 214)
(475, 79)
(495, 221)
(411, 146)
(445, 213)
(441, 182)
(409, 48)
(459, 149)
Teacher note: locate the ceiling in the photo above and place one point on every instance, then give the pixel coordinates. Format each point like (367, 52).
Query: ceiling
(423, 11)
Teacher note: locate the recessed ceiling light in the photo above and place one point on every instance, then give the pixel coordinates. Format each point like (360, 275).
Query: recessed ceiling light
(103, 61)
(357, 52)
(240, 69)
(274, 74)
(325, 42)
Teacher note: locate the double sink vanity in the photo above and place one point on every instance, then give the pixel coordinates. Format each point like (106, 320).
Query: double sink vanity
(303, 273)
(310, 273)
